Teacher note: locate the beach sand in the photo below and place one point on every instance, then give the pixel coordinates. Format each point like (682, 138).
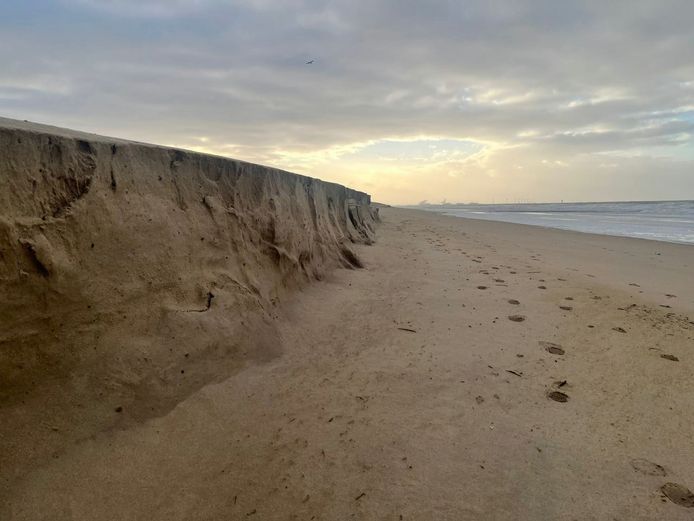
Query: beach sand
(418, 388)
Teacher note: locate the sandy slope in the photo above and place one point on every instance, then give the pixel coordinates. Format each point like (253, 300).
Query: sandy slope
(360, 419)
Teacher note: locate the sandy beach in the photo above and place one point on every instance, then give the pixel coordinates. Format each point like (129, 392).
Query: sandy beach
(420, 387)
(346, 261)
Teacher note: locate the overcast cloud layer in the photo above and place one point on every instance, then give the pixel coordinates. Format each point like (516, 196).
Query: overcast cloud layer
(537, 100)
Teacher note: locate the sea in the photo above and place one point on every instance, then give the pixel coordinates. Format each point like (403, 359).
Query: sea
(671, 221)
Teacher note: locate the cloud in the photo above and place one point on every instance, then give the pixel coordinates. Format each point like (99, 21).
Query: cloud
(145, 8)
(572, 83)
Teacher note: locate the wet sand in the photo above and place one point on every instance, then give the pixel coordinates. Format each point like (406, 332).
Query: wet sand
(473, 370)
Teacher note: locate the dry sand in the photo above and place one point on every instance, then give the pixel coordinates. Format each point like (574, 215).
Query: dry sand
(404, 391)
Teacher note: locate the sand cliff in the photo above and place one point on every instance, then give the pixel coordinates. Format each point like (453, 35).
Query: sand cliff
(130, 270)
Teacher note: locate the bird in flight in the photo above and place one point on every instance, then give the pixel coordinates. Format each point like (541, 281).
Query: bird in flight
(310, 62)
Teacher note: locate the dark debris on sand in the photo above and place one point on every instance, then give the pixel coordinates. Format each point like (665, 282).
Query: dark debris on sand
(673, 358)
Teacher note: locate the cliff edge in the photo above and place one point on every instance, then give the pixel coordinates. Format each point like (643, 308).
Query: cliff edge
(133, 274)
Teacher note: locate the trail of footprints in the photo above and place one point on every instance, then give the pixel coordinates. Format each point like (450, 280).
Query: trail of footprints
(673, 492)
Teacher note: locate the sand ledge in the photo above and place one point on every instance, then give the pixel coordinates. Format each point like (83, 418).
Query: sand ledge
(134, 274)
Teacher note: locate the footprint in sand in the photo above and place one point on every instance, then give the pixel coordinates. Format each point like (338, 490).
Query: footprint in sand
(558, 396)
(678, 494)
(648, 467)
(516, 318)
(513, 301)
(551, 347)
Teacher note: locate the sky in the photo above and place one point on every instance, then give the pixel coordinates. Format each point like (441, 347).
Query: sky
(457, 101)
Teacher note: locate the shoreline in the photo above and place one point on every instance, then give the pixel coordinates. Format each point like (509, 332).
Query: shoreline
(681, 243)
(403, 389)
(595, 222)
(573, 240)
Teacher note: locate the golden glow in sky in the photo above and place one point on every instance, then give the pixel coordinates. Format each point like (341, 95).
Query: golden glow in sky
(483, 101)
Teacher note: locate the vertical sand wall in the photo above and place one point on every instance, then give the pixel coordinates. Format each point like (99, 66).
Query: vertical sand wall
(139, 269)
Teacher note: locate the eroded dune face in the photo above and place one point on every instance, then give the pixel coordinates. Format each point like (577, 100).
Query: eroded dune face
(135, 271)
